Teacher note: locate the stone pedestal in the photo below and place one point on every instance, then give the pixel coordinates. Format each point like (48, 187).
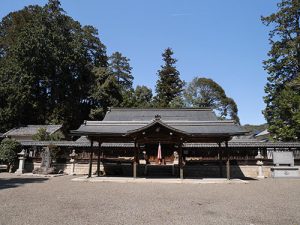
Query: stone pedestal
(284, 172)
(22, 156)
(259, 163)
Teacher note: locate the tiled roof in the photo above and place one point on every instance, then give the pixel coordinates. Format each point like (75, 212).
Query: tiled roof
(135, 114)
(192, 121)
(264, 132)
(31, 130)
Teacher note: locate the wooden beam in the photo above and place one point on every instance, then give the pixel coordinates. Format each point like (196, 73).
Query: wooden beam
(91, 160)
(98, 160)
(228, 162)
(180, 161)
(135, 160)
(220, 157)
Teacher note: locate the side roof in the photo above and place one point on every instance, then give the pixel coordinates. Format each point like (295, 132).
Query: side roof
(31, 130)
(136, 114)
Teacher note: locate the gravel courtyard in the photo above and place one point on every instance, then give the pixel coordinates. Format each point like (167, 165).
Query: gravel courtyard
(35, 200)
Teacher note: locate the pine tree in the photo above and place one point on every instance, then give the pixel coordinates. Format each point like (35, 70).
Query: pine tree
(169, 84)
(283, 67)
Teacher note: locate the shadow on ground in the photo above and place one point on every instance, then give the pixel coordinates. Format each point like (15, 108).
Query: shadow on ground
(17, 182)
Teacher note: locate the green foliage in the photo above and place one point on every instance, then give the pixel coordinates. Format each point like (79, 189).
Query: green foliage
(169, 85)
(8, 151)
(143, 97)
(55, 151)
(204, 92)
(283, 67)
(43, 135)
(286, 117)
(177, 102)
(121, 69)
(104, 93)
(57, 136)
(46, 64)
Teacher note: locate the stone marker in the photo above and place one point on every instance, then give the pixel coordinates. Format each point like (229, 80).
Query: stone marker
(45, 167)
(284, 168)
(286, 158)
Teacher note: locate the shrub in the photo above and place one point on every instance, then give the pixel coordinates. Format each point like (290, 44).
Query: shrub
(8, 151)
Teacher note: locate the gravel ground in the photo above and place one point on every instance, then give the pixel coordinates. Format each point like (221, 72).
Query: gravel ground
(58, 200)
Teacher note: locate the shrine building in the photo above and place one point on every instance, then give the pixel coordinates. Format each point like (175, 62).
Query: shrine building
(158, 135)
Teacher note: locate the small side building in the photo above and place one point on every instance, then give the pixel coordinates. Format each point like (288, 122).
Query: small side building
(26, 133)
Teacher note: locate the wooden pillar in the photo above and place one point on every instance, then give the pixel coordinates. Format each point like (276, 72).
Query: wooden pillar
(91, 160)
(228, 162)
(220, 158)
(135, 160)
(98, 160)
(180, 161)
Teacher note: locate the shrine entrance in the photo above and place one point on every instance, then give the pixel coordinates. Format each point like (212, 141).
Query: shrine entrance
(167, 153)
(160, 160)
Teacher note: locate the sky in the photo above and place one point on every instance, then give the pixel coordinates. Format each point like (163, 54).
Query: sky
(222, 40)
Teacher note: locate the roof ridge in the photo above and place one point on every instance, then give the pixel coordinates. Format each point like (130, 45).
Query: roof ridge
(97, 122)
(160, 109)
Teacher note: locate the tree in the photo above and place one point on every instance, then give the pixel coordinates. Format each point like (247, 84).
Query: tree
(8, 151)
(140, 97)
(143, 96)
(177, 102)
(46, 67)
(204, 92)
(121, 69)
(286, 117)
(104, 93)
(169, 85)
(43, 135)
(283, 67)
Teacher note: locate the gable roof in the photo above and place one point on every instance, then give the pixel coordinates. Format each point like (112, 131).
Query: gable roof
(263, 133)
(136, 114)
(120, 122)
(31, 130)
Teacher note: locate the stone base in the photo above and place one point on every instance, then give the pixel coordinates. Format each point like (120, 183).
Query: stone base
(20, 171)
(285, 172)
(44, 171)
(189, 171)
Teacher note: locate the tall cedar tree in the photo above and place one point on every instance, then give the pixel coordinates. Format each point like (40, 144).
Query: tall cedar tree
(283, 66)
(46, 67)
(121, 69)
(204, 92)
(169, 85)
(105, 92)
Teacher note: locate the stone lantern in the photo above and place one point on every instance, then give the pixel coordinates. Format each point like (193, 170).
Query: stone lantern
(73, 156)
(259, 163)
(22, 156)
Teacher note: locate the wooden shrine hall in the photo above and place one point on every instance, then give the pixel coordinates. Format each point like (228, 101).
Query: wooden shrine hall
(155, 127)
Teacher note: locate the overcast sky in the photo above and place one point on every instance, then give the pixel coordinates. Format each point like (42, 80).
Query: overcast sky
(221, 40)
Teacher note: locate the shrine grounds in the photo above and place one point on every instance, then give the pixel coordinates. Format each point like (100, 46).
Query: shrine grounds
(58, 200)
